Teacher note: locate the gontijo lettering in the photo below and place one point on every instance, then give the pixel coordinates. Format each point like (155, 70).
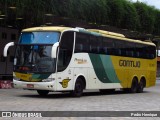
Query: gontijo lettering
(129, 63)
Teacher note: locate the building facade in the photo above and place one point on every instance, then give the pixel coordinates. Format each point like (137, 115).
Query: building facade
(6, 64)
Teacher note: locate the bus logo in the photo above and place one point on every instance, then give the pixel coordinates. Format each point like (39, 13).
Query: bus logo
(64, 83)
(80, 61)
(129, 63)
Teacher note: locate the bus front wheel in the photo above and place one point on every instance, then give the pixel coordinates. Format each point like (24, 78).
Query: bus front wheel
(43, 92)
(78, 89)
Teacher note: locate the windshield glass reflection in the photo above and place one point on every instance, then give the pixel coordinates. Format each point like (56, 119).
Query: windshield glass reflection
(34, 58)
(39, 37)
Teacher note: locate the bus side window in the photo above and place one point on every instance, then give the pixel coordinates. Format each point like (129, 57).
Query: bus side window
(145, 51)
(108, 46)
(79, 47)
(99, 45)
(150, 52)
(130, 49)
(137, 54)
(93, 44)
(82, 42)
(119, 47)
(96, 45)
(138, 50)
(104, 50)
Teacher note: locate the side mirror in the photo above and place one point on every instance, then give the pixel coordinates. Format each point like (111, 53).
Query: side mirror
(6, 48)
(54, 50)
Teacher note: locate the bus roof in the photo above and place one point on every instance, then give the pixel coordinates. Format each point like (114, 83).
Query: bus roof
(46, 28)
(106, 32)
(120, 36)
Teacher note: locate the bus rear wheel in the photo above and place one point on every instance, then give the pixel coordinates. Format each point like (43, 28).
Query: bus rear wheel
(140, 87)
(43, 92)
(134, 86)
(78, 90)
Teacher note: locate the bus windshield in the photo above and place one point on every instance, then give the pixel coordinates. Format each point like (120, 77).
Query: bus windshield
(34, 58)
(39, 37)
(33, 53)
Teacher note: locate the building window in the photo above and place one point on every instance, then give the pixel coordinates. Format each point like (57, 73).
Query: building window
(4, 35)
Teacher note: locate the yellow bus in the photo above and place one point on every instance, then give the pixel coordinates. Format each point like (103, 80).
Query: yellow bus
(49, 59)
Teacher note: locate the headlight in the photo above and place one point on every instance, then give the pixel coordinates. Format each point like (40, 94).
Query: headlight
(48, 80)
(15, 78)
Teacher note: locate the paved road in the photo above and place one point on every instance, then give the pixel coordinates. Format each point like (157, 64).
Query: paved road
(24, 100)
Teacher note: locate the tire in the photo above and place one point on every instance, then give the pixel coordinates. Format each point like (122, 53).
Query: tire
(140, 87)
(78, 90)
(43, 92)
(134, 86)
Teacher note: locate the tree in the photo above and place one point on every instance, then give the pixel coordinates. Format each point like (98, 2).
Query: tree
(146, 17)
(130, 17)
(120, 13)
(157, 22)
(117, 11)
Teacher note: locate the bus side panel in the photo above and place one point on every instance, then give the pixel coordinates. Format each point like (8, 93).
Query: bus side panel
(153, 78)
(105, 72)
(151, 67)
(83, 67)
(127, 68)
(151, 81)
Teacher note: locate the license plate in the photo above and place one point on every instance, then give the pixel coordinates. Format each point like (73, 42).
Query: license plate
(30, 86)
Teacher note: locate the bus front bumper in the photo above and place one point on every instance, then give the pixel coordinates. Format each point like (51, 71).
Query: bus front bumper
(34, 85)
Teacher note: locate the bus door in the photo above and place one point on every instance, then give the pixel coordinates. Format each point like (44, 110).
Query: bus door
(64, 71)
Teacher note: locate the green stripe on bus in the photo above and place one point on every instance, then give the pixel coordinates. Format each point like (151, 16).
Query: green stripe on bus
(103, 68)
(109, 68)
